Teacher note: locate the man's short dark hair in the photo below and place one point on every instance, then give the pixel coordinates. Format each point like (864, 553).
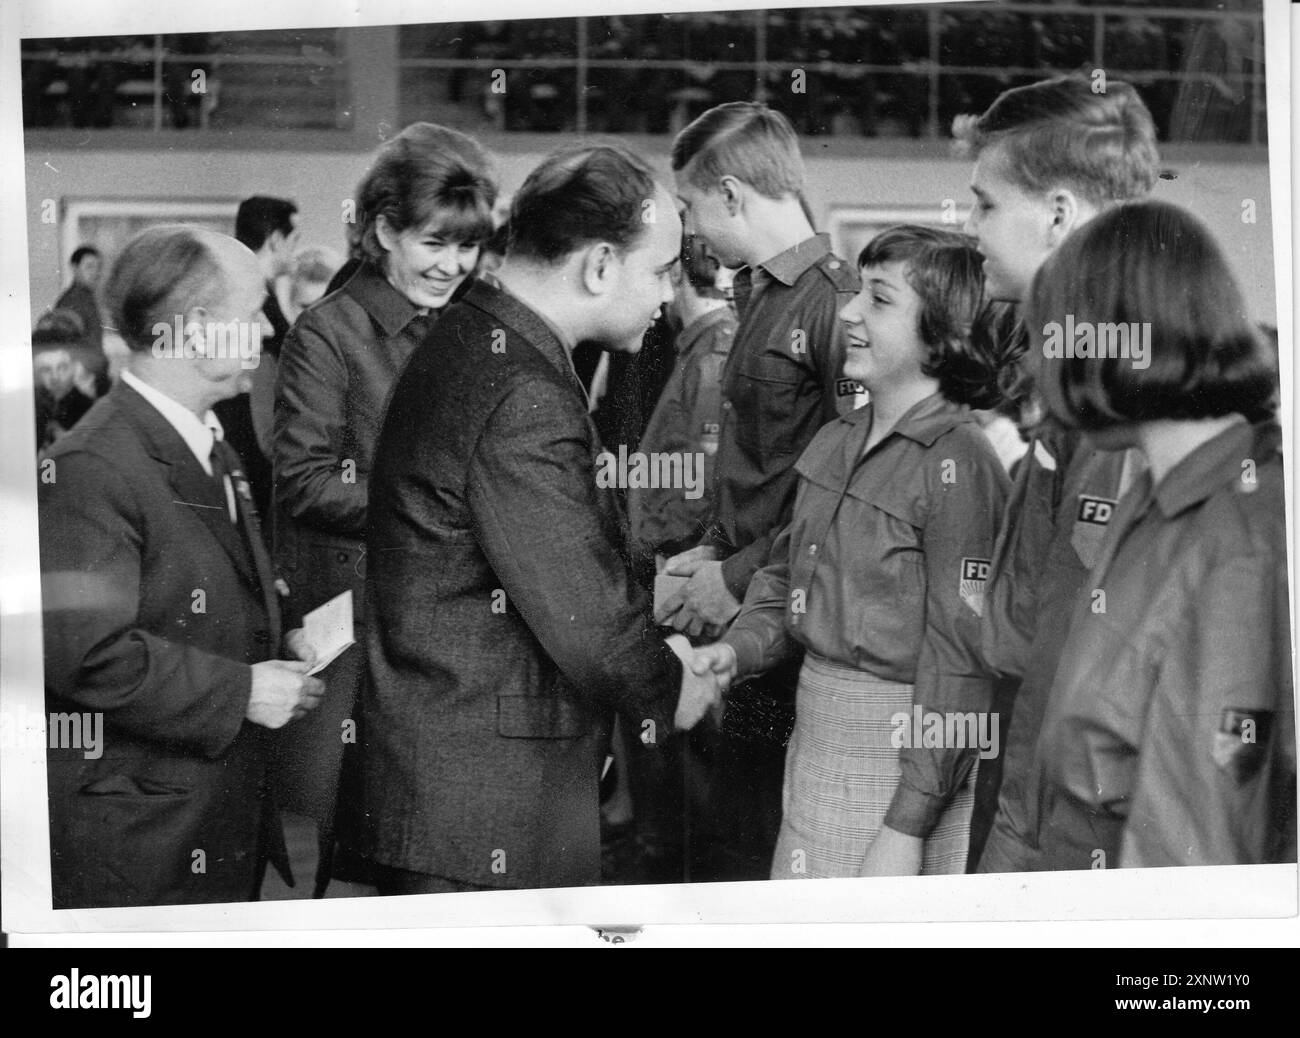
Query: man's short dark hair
(579, 196)
(81, 252)
(261, 216)
(1156, 266)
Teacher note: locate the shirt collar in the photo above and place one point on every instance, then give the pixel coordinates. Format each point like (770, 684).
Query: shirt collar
(925, 421)
(198, 435)
(389, 308)
(1203, 472)
(787, 267)
(690, 335)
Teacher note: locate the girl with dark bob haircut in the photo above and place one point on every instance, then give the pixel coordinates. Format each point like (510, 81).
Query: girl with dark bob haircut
(423, 210)
(1149, 273)
(879, 579)
(946, 272)
(427, 173)
(1168, 734)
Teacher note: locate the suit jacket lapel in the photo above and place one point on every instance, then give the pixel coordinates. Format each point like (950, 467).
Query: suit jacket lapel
(251, 529)
(194, 489)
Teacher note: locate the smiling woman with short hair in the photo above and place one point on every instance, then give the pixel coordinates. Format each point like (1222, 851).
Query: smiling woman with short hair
(423, 210)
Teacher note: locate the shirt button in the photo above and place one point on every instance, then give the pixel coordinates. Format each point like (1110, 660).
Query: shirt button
(812, 549)
(834, 264)
(726, 405)
(342, 556)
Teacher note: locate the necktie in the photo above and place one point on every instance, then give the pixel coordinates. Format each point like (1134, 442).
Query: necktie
(225, 462)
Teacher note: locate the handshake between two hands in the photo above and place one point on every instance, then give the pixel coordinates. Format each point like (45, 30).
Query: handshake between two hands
(707, 672)
(703, 605)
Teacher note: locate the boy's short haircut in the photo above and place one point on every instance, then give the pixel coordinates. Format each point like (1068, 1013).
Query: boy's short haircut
(1059, 132)
(946, 272)
(745, 140)
(579, 196)
(1155, 265)
(700, 268)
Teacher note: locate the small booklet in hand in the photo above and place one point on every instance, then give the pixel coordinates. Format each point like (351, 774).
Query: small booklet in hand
(328, 630)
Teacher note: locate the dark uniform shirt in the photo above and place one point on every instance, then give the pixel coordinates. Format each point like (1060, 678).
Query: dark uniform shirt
(882, 569)
(686, 421)
(783, 382)
(1170, 731)
(1064, 496)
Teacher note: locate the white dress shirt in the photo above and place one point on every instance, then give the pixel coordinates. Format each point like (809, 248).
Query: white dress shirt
(199, 435)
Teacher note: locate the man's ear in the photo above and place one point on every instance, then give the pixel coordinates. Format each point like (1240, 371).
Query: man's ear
(599, 268)
(1067, 214)
(195, 330)
(732, 195)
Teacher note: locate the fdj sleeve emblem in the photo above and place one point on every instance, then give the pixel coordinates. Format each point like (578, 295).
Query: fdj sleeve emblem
(974, 579)
(1090, 523)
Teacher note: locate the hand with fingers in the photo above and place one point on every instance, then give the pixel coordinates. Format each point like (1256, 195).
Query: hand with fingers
(282, 692)
(705, 678)
(704, 605)
(295, 642)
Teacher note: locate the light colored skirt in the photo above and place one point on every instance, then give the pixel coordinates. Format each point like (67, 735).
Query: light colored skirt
(841, 770)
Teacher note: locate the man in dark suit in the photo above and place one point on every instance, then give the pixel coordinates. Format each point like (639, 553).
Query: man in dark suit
(161, 616)
(506, 628)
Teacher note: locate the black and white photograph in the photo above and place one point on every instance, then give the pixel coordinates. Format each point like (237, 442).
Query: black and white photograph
(657, 465)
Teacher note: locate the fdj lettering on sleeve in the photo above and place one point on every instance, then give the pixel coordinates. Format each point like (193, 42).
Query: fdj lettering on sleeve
(1095, 510)
(974, 579)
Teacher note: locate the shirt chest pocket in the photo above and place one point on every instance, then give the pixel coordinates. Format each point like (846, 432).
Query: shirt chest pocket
(768, 397)
(885, 524)
(874, 558)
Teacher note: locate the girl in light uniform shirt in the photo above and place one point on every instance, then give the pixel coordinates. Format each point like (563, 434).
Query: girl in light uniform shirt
(879, 581)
